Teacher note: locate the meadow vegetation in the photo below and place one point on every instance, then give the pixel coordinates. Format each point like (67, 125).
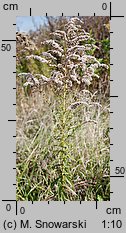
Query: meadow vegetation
(63, 111)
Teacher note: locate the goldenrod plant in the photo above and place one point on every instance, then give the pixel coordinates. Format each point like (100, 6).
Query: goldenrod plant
(67, 140)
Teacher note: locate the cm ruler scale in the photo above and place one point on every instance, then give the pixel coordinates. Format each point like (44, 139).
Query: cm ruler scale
(63, 216)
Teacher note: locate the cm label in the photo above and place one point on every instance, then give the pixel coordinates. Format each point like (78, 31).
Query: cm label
(10, 7)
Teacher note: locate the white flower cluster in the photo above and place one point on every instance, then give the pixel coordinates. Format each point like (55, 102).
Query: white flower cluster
(48, 55)
(54, 45)
(30, 79)
(38, 79)
(42, 60)
(69, 57)
(60, 34)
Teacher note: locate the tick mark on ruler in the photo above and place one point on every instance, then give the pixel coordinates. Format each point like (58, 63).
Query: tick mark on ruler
(14, 24)
(14, 72)
(46, 14)
(94, 14)
(62, 14)
(14, 56)
(111, 192)
(14, 88)
(30, 11)
(114, 96)
(110, 10)
(117, 176)
(96, 204)
(11, 120)
(9, 40)
(111, 160)
(114, 16)
(8, 200)
(16, 207)
(78, 14)
(48, 202)
(117, 16)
